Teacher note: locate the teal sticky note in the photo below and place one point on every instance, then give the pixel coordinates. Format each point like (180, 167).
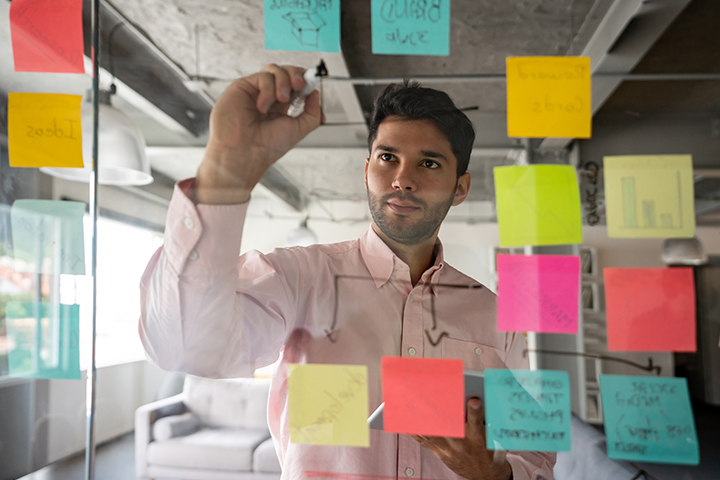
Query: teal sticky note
(43, 340)
(649, 419)
(400, 27)
(527, 410)
(48, 237)
(302, 25)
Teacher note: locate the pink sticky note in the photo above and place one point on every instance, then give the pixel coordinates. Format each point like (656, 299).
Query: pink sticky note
(538, 293)
(650, 309)
(47, 36)
(423, 396)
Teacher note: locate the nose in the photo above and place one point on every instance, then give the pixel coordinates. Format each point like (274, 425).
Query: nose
(403, 180)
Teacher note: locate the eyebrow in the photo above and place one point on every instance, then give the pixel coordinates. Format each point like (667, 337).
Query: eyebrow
(424, 153)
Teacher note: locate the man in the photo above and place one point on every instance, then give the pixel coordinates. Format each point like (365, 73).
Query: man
(388, 293)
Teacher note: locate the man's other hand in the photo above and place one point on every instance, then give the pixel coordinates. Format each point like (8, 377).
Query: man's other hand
(469, 456)
(250, 130)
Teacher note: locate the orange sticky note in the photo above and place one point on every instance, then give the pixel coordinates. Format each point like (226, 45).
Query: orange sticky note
(47, 36)
(549, 97)
(44, 130)
(423, 396)
(650, 309)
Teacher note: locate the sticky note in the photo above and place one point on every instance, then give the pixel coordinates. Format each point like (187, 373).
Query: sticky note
(44, 130)
(47, 36)
(527, 410)
(650, 309)
(649, 419)
(538, 205)
(400, 27)
(302, 26)
(549, 97)
(43, 340)
(538, 293)
(48, 236)
(328, 404)
(423, 396)
(649, 196)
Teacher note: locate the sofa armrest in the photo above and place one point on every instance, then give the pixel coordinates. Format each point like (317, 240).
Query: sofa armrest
(171, 426)
(145, 416)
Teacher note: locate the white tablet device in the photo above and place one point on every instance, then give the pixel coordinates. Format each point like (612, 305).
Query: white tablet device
(474, 387)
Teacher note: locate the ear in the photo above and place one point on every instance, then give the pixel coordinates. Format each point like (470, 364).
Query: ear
(462, 190)
(367, 162)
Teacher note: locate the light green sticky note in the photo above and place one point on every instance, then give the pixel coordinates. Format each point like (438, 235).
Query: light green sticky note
(410, 28)
(538, 205)
(328, 404)
(308, 26)
(48, 237)
(649, 196)
(43, 340)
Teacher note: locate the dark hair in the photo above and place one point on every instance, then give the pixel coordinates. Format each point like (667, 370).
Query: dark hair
(411, 101)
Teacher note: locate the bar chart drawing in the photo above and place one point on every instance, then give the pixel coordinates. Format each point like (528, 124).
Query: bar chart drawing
(649, 196)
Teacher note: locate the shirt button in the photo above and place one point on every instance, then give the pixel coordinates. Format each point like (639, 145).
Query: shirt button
(412, 351)
(478, 351)
(410, 298)
(409, 472)
(193, 255)
(189, 223)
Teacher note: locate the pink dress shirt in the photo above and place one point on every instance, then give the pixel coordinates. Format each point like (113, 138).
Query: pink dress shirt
(208, 311)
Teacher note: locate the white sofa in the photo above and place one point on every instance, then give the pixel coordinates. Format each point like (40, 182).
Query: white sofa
(213, 430)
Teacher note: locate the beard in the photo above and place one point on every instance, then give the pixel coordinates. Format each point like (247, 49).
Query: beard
(415, 233)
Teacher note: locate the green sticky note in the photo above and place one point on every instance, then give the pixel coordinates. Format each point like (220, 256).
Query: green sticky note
(48, 237)
(538, 205)
(328, 404)
(308, 26)
(649, 196)
(410, 28)
(649, 419)
(44, 340)
(527, 410)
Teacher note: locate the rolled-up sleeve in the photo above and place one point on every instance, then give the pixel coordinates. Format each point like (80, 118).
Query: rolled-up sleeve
(526, 465)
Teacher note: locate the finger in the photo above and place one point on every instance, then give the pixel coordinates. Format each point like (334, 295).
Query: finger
(283, 83)
(265, 83)
(296, 76)
(475, 419)
(312, 116)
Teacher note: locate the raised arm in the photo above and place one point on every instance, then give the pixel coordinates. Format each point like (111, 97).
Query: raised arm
(204, 310)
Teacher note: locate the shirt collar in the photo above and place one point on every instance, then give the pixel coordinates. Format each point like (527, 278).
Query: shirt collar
(380, 260)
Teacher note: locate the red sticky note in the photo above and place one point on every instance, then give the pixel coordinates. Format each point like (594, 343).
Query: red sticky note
(423, 396)
(650, 309)
(538, 293)
(47, 36)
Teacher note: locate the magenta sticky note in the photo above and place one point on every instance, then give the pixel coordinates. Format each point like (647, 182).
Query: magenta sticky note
(538, 293)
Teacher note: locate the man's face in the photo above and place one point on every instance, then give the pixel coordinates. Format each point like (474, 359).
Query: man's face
(411, 179)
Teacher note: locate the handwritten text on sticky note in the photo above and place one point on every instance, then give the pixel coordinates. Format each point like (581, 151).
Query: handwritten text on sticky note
(47, 36)
(538, 205)
(649, 196)
(549, 97)
(649, 419)
(48, 236)
(400, 27)
(650, 309)
(423, 396)
(538, 293)
(43, 340)
(309, 26)
(527, 410)
(328, 404)
(44, 130)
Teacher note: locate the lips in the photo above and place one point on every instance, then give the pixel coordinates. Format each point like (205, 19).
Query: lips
(402, 208)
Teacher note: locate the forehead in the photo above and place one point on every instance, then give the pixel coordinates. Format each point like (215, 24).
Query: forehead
(412, 135)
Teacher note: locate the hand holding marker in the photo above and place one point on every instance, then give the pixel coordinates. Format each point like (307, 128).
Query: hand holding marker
(312, 79)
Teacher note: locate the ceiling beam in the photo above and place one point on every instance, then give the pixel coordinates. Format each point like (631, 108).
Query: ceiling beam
(621, 40)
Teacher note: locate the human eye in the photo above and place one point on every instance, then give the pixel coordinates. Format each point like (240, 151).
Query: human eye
(430, 164)
(386, 157)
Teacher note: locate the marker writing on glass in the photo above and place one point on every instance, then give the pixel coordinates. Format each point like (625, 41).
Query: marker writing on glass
(312, 79)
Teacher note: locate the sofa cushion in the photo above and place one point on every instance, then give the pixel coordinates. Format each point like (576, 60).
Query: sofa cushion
(175, 426)
(265, 459)
(234, 403)
(209, 448)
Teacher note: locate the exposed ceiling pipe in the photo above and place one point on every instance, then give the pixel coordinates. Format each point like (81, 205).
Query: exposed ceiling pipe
(498, 78)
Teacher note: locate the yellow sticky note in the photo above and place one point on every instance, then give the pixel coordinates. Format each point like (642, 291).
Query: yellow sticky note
(44, 130)
(549, 97)
(649, 196)
(538, 205)
(328, 404)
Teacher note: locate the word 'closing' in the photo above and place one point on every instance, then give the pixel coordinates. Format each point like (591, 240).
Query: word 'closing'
(422, 10)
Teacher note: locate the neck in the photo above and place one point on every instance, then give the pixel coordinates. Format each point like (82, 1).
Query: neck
(418, 257)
